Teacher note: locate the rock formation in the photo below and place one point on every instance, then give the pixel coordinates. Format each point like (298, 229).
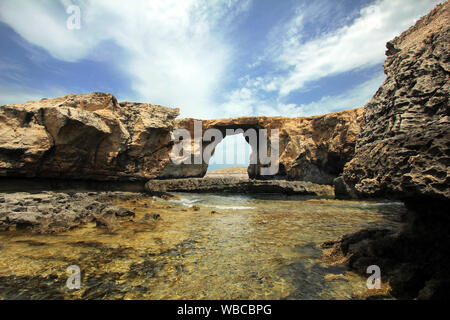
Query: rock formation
(404, 152)
(54, 212)
(94, 137)
(403, 149)
(310, 148)
(88, 136)
(236, 185)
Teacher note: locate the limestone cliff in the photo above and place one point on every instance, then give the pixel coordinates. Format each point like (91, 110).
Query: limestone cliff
(312, 149)
(404, 147)
(88, 136)
(404, 152)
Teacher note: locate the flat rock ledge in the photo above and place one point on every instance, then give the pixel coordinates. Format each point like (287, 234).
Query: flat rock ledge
(54, 212)
(237, 185)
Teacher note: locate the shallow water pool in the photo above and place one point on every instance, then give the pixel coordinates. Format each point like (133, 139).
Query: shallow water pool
(205, 246)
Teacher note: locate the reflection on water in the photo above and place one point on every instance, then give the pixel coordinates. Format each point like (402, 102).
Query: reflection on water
(233, 247)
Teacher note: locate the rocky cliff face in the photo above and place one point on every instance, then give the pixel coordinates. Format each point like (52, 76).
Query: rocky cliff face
(404, 152)
(404, 147)
(312, 149)
(85, 137)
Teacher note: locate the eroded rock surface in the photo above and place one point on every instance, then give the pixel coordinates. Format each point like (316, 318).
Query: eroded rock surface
(413, 261)
(88, 136)
(51, 212)
(236, 185)
(311, 149)
(404, 147)
(94, 137)
(404, 153)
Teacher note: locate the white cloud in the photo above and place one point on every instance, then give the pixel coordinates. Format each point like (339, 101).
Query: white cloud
(239, 102)
(177, 53)
(358, 45)
(356, 97)
(174, 53)
(246, 102)
(43, 23)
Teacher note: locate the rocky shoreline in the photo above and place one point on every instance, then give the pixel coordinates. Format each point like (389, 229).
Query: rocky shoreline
(397, 147)
(49, 212)
(413, 260)
(54, 206)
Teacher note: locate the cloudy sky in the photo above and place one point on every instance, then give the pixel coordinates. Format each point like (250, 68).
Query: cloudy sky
(210, 58)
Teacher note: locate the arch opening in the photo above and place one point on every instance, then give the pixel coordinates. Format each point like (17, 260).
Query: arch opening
(231, 157)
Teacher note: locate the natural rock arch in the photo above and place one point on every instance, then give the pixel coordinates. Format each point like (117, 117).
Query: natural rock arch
(225, 126)
(310, 148)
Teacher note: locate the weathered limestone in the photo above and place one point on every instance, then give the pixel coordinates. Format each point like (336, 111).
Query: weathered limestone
(236, 185)
(404, 153)
(404, 147)
(94, 137)
(54, 212)
(311, 148)
(88, 136)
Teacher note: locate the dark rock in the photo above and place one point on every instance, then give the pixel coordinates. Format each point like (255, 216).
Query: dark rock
(150, 219)
(118, 211)
(403, 153)
(108, 221)
(404, 146)
(435, 289)
(414, 260)
(235, 185)
(155, 216)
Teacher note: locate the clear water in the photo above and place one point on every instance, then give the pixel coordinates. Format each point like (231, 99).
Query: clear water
(251, 247)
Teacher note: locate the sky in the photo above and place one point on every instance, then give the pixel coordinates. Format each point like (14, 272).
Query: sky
(210, 58)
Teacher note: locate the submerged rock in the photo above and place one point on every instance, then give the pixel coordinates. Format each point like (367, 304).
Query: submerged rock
(118, 211)
(148, 217)
(108, 221)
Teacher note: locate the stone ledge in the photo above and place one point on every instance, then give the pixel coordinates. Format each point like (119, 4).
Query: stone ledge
(236, 185)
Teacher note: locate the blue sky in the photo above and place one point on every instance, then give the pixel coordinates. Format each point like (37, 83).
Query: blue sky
(209, 58)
